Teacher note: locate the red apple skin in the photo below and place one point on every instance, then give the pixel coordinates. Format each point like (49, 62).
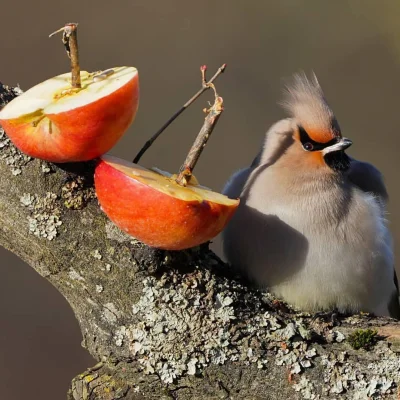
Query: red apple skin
(155, 218)
(80, 134)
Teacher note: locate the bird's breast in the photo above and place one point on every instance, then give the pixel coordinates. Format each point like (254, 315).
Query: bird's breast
(313, 248)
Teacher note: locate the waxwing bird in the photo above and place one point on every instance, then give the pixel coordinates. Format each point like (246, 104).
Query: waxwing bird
(311, 224)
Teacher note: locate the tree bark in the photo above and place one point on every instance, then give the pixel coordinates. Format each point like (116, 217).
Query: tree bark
(176, 325)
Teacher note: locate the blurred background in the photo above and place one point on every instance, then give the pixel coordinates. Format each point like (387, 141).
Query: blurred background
(353, 46)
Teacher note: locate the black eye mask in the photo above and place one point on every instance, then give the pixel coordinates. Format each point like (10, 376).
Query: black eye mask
(337, 160)
(310, 144)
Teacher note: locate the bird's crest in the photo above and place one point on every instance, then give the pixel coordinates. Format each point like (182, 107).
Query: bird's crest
(306, 103)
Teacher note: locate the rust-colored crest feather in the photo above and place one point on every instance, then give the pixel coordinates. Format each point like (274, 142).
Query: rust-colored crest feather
(306, 103)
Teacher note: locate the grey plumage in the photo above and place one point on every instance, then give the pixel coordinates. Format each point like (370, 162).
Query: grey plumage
(369, 179)
(310, 229)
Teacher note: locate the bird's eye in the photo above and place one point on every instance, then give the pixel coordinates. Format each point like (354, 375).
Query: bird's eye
(308, 146)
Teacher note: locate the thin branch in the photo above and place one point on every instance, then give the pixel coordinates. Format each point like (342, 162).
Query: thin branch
(204, 87)
(195, 151)
(70, 41)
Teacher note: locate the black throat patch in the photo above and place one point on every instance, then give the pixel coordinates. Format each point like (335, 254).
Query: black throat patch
(337, 160)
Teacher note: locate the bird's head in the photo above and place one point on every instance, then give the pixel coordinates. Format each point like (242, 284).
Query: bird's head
(317, 138)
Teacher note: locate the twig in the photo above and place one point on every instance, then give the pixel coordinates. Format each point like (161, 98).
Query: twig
(204, 87)
(185, 173)
(70, 41)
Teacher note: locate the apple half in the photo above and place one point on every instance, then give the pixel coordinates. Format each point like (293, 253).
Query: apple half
(54, 122)
(154, 209)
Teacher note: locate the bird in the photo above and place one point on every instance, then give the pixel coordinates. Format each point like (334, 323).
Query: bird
(312, 226)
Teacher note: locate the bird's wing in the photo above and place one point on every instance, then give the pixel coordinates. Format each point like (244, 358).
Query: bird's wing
(394, 304)
(368, 178)
(236, 182)
(235, 185)
(257, 160)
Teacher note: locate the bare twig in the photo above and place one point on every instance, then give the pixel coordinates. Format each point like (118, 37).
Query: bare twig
(70, 41)
(204, 87)
(213, 114)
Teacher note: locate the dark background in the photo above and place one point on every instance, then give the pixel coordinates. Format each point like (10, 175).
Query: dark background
(353, 46)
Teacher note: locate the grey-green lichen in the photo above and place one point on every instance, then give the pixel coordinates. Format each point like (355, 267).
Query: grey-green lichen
(185, 322)
(10, 154)
(96, 254)
(44, 214)
(364, 381)
(99, 288)
(47, 167)
(75, 275)
(306, 388)
(7, 93)
(168, 313)
(14, 158)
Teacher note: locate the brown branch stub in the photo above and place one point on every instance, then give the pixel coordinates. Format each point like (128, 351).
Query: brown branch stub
(195, 151)
(204, 87)
(70, 41)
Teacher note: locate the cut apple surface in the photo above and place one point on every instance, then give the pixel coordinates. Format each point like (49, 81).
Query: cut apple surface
(55, 122)
(154, 209)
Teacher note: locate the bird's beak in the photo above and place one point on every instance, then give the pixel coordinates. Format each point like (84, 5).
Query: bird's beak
(342, 144)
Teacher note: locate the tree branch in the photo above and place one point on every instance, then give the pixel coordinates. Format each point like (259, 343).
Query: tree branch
(204, 87)
(175, 324)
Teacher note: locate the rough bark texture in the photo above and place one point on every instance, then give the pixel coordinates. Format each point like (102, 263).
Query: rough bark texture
(176, 324)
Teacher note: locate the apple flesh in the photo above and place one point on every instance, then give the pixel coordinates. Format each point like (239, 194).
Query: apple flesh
(54, 122)
(154, 209)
